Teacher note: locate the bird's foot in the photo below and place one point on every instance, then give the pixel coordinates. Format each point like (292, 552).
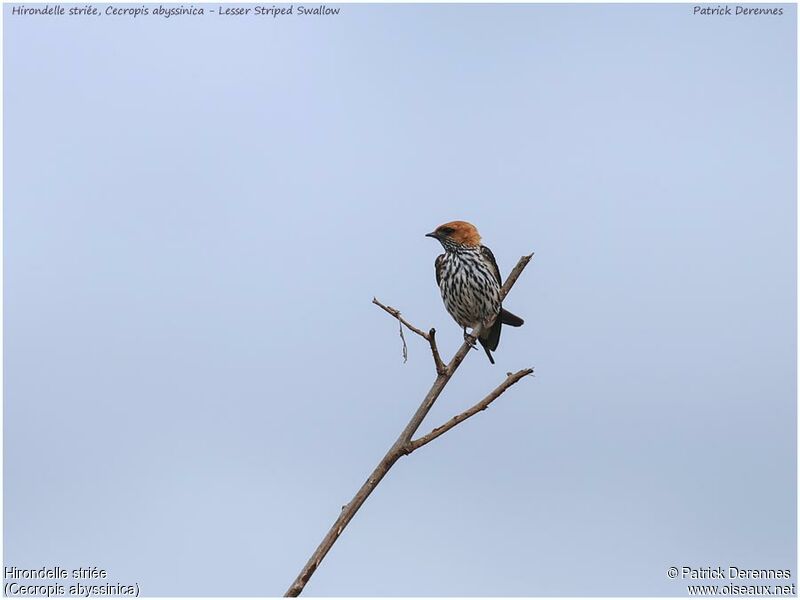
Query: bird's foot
(470, 339)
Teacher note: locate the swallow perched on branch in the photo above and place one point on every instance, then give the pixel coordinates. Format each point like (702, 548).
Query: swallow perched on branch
(470, 282)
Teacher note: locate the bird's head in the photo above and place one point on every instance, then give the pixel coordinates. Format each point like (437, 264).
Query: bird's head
(456, 233)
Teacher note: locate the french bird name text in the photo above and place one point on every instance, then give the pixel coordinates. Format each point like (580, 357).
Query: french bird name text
(147, 10)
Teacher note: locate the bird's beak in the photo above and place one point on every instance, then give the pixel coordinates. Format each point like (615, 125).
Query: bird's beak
(432, 234)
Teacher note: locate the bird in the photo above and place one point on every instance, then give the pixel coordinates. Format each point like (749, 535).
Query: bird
(469, 280)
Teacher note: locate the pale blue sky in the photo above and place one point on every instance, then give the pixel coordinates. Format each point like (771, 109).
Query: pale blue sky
(198, 212)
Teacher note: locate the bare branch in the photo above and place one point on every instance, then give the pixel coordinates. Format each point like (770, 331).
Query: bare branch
(514, 275)
(480, 406)
(399, 448)
(437, 359)
(396, 314)
(430, 336)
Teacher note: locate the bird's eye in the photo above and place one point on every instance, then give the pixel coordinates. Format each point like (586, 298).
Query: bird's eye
(446, 230)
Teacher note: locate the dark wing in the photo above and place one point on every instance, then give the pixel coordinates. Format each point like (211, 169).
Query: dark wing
(489, 258)
(438, 263)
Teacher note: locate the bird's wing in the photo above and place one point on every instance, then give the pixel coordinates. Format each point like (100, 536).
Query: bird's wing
(439, 266)
(489, 258)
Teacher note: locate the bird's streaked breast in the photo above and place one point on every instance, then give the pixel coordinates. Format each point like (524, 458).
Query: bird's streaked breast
(469, 289)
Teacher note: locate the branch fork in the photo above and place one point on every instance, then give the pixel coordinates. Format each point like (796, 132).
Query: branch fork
(430, 337)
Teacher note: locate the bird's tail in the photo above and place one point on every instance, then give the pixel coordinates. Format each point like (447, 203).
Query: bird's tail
(491, 339)
(508, 318)
(486, 349)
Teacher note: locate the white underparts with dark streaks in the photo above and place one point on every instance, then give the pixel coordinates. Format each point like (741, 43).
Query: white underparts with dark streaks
(469, 289)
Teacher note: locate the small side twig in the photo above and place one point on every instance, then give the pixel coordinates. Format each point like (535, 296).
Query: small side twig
(430, 337)
(473, 410)
(403, 338)
(396, 314)
(441, 368)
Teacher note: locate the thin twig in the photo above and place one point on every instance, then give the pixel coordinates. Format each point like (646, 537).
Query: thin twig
(482, 405)
(437, 359)
(398, 449)
(402, 337)
(396, 314)
(430, 336)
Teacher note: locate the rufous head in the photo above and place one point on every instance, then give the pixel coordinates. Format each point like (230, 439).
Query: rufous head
(456, 232)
